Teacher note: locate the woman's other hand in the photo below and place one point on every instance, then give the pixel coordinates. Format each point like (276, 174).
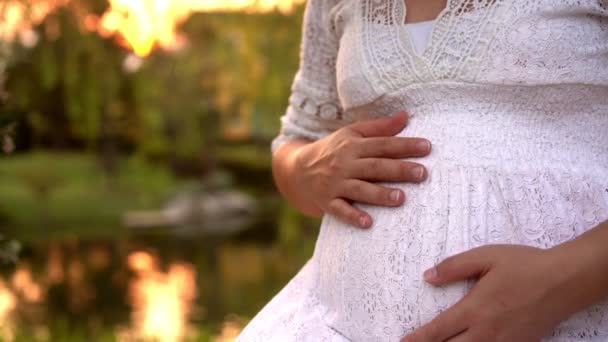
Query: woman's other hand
(522, 292)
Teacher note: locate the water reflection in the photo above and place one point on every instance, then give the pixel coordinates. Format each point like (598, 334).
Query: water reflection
(161, 301)
(8, 303)
(138, 288)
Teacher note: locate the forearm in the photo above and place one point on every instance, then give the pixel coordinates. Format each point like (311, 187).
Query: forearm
(584, 265)
(283, 166)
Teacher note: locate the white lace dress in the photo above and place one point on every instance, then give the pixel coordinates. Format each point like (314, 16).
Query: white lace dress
(513, 95)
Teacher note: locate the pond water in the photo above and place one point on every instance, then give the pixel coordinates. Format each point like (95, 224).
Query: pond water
(152, 286)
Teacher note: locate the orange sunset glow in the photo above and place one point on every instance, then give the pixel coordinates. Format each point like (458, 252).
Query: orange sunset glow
(141, 25)
(17, 18)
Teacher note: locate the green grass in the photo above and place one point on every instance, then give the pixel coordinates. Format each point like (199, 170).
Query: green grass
(54, 194)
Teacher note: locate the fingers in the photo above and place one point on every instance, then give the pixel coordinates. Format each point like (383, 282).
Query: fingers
(388, 170)
(345, 211)
(394, 147)
(386, 126)
(365, 192)
(447, 325)
(470, 264)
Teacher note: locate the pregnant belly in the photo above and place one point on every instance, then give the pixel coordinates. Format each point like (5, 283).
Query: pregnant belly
(371, 280)
(485, 186)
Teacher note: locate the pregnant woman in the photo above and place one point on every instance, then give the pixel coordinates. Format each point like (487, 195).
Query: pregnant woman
(498, 232)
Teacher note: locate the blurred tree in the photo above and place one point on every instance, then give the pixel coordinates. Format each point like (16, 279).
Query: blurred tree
(68, 92)
(76, 90)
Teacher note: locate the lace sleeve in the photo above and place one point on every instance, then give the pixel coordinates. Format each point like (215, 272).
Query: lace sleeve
(314, 110)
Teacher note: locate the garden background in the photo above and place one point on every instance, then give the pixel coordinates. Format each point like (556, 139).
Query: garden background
(136, 195)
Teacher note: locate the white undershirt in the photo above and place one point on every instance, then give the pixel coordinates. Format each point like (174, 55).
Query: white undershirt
(420, 34)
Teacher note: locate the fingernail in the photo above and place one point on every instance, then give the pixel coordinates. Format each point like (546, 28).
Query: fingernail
(423, 146)
(364, 221)
(430, 274)
(418, 172)
(395, 195)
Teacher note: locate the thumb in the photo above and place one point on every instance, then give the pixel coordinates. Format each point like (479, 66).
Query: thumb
(459, 267)
(387, 126)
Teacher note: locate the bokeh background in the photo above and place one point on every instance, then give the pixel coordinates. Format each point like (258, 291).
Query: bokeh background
(136, 195)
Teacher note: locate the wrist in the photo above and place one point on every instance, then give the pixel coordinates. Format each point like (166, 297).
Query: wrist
(293, 164)
(581, 271)
(304, 203)
(283, 165)
(564, 295)
(287, 162)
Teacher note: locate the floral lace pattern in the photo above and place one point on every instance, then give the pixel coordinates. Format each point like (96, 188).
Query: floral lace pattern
(513, 95)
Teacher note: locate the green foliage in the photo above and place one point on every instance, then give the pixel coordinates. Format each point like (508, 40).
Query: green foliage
(232, 81)
(72, 194)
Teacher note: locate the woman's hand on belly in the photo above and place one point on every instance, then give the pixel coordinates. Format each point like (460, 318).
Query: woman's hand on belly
(338, 169)
(518, 296)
